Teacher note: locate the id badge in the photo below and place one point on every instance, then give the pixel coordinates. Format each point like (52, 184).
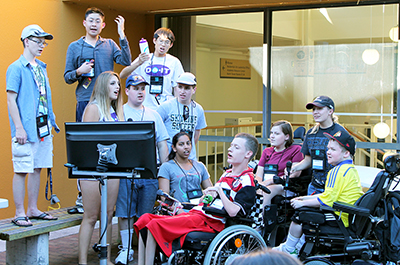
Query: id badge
(318, 158)
(42, 126)
(87, 82)
(270, 170)
(156, 84)
(317, 164)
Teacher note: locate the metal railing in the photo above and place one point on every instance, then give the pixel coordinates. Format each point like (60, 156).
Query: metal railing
(214, 142)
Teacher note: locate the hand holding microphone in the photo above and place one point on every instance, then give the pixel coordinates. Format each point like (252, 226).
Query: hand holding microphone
(288, 169)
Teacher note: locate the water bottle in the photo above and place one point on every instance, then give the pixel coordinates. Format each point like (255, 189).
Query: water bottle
(144, 46)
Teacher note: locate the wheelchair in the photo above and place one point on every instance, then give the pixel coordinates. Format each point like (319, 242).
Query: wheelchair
(358, 243)
(238, 238)
(277, 216)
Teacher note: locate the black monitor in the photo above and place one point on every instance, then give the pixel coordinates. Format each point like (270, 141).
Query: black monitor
(117, 146)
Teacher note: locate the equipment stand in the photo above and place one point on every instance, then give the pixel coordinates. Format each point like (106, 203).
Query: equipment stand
(102, 178)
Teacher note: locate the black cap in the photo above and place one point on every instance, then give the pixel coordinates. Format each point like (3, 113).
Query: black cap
(321, 101)
(345, 140)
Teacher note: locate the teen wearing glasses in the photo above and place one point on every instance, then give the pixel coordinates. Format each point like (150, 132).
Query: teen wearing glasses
(160, 69)
(31, 120)
(182, 114)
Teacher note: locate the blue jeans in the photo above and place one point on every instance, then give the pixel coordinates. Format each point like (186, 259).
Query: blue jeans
(139, 201)
(80, 108)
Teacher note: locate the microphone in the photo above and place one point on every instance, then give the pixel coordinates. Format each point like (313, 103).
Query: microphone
(288, 169)
(130, 119)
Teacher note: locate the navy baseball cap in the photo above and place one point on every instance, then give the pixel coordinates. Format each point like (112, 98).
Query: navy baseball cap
(345, 140)
(134, 80)
(321, 101)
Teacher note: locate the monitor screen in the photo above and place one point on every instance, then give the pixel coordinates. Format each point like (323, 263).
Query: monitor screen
(124, 147)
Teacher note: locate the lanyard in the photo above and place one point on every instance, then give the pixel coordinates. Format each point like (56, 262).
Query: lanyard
(179, 113)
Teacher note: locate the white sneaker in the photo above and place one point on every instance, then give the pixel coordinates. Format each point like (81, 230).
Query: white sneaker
(78, 201)
(282, 248)
(299, 245)
(123, 254)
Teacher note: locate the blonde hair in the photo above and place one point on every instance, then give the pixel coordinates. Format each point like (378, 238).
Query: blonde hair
(101, 95)
(335, 119)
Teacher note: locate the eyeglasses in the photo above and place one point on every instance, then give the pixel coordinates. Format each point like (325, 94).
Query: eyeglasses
(166, 42)
(38, 42)
(185, 112)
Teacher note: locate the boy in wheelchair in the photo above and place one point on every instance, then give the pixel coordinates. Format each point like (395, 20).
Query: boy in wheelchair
(342, 184)
(234, 192)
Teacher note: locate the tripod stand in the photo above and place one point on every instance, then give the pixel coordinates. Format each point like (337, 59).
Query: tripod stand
(102, 177)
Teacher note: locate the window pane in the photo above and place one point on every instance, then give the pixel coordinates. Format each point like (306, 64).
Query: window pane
(345, 53)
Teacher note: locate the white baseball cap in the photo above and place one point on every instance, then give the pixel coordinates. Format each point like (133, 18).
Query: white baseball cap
(35, 31)
(187, 79)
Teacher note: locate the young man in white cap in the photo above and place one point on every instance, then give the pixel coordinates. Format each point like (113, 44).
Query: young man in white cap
(31, 120)
(160, 69)
(182, 113)
(141, 199)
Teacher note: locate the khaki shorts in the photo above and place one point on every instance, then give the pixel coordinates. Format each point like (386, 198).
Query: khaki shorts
(27, 157)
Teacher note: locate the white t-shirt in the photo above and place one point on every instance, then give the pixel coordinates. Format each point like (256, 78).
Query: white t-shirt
(171, 113)
(169, 67)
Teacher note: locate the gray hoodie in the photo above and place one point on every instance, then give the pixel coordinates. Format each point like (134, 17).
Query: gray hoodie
(105, 53)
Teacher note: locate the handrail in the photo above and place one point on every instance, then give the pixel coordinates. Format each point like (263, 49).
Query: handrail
(243, 125)
(219, 147)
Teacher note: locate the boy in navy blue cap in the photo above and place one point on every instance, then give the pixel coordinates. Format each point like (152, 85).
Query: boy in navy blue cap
(342, 184)
(144, 193)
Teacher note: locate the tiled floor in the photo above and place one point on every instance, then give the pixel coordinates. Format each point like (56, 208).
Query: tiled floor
(64, 250)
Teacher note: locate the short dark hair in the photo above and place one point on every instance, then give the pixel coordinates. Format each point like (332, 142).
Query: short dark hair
(287, 129)
(94, 10)
(165, 31)
(251, 143)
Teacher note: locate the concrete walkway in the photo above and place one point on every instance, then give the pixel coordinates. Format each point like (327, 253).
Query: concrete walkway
(63, 247)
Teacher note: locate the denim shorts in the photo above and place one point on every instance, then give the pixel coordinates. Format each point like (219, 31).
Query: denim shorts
(26, 157)
(141, 199)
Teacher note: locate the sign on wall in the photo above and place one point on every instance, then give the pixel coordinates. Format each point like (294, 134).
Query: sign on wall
(230, 68)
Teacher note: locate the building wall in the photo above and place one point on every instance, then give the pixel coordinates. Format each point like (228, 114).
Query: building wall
(64, 21)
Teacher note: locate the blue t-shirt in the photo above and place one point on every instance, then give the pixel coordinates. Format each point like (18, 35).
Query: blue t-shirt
(19, 79)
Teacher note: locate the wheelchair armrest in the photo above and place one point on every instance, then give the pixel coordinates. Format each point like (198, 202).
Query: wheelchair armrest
(326, 208)
(311, 215)
(350, 208)
(215, 211)
(188, 206)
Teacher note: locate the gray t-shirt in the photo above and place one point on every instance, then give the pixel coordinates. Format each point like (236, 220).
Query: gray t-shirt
(171, 113)
(182, 180)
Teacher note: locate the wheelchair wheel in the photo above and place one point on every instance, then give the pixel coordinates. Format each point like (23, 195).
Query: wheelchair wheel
(231, 242)
(318, 261)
